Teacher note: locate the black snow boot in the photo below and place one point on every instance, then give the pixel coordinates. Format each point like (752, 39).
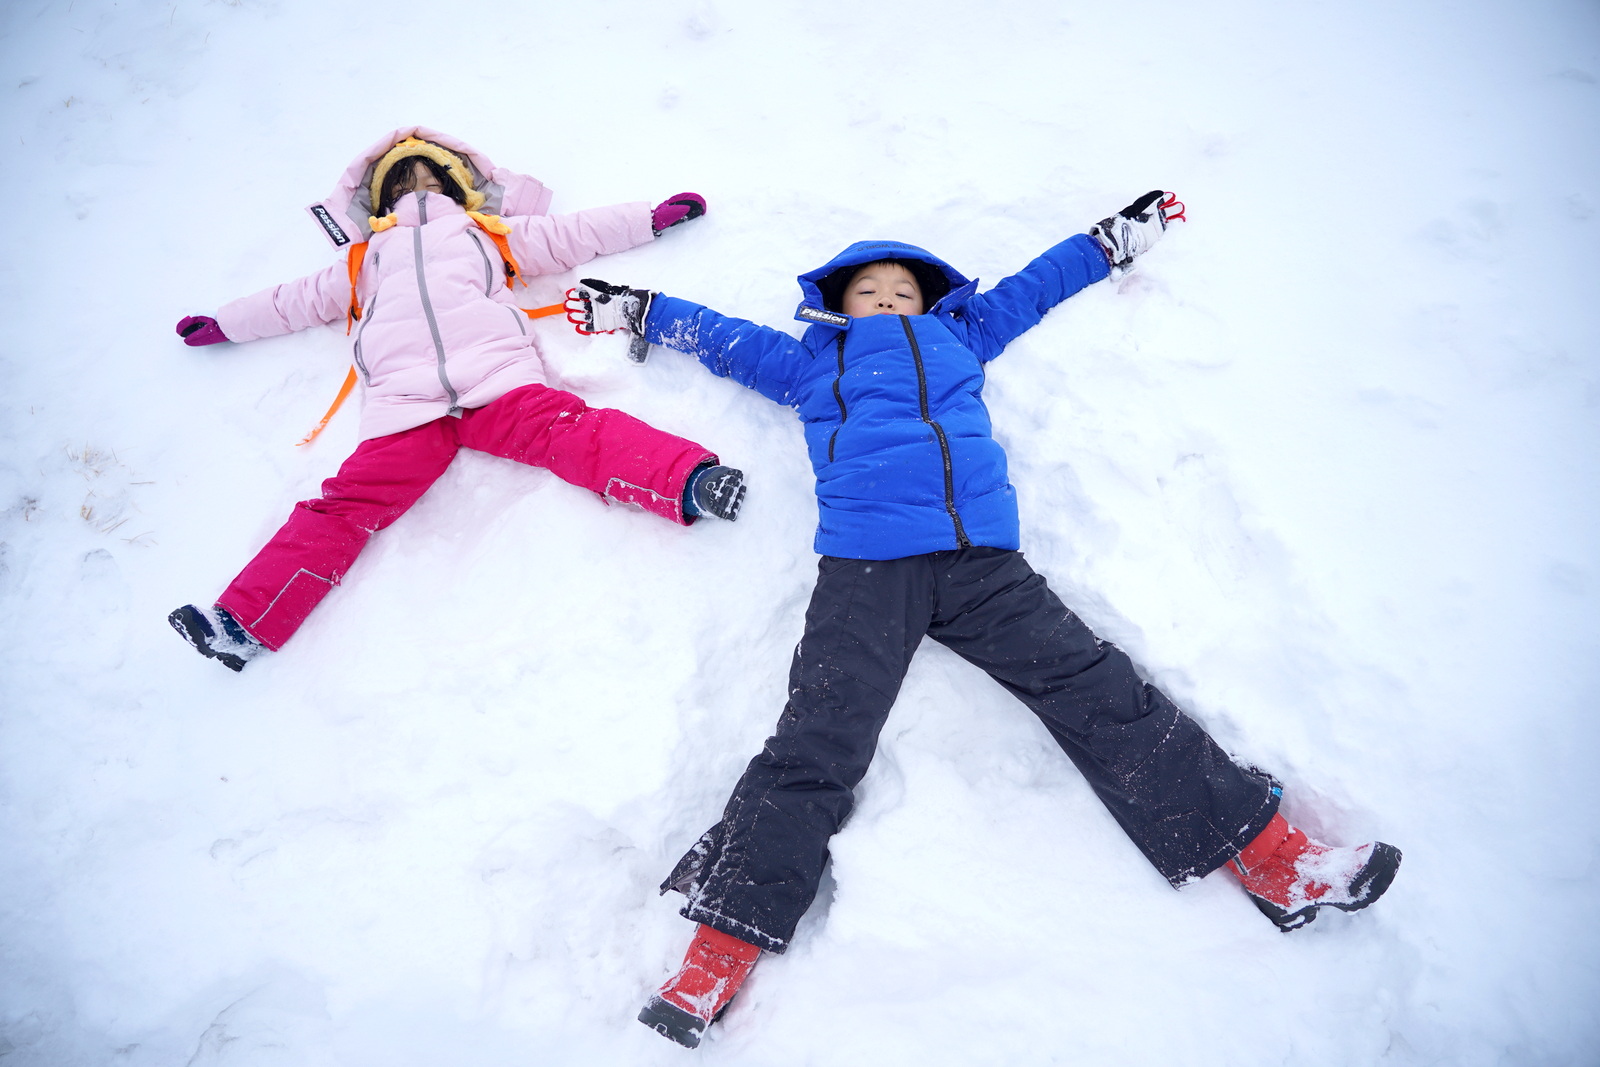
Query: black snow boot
(716, 491)
(216, 634)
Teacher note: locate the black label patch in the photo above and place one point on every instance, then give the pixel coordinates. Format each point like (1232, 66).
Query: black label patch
(827, 318)
(335, 233)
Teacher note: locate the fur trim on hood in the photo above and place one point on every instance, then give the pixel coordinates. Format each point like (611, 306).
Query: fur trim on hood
(453, 164)
(344, 216)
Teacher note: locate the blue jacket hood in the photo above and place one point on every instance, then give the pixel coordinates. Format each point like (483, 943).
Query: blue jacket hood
(813, 308)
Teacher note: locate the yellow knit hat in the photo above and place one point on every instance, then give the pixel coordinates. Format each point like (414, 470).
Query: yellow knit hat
(453, 164)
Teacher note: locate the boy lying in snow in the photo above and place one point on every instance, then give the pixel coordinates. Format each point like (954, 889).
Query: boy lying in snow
(919, 536)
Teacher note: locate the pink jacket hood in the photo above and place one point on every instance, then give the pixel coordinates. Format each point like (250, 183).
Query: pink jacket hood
(342, 216)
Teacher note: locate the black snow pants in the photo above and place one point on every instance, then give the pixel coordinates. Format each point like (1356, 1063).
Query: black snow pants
(1181, 799)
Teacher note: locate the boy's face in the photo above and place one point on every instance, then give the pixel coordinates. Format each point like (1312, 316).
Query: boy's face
(882, 289)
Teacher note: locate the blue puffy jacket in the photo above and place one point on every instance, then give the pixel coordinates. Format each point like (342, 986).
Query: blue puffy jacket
(893, 405)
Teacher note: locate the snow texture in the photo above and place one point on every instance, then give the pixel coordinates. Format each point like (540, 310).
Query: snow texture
(1325, 464)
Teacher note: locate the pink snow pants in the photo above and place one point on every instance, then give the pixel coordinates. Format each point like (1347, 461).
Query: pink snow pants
(607, 451)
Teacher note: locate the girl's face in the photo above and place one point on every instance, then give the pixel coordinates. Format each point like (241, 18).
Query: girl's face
(420, 178)
(882, 289)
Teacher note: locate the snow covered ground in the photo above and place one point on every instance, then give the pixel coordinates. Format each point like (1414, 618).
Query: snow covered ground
(1326, 465)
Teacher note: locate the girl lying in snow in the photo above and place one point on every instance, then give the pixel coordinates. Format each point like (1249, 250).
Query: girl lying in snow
(919, 536)
(448, 362)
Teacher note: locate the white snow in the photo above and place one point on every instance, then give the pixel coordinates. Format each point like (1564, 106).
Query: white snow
(1325, 465)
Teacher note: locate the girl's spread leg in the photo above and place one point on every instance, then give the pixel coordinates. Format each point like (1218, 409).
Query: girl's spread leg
(310, 554)
(607, 451)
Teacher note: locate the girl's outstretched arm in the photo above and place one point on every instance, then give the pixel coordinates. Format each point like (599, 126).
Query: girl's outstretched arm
(556, 243)
(305, 302)
(550, 244)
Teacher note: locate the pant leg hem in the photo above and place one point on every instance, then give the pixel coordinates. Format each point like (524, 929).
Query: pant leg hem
(238, 614)
(1252, 829)
(734, 928)
(677, 486)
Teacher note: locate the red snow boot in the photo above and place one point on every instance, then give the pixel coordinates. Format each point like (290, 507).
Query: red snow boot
(713, 969)
(1290, 876)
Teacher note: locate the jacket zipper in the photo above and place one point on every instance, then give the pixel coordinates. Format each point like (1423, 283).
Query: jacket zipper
(488, 283)
(488, 272)
(427, 305)
(838, 395)
(944, 444)
(372, 309)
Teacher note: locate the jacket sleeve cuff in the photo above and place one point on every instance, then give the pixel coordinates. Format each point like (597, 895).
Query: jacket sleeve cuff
(662, 322)
(1094, 257)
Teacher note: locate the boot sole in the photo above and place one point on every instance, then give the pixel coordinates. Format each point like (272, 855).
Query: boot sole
(725, 496)
(1370, 883)
(187, 622)
(731, 510)
(673, 1022)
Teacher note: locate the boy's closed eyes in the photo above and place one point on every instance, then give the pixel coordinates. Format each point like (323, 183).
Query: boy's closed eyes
(882, 289)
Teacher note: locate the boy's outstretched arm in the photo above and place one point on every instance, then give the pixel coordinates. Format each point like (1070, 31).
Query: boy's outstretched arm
(996, 318)
(760, 357)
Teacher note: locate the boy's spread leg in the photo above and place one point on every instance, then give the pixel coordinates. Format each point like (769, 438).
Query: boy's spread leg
(754, 874)
(1186, 805)
(601, 449)
(1176, 794)
(310, 554)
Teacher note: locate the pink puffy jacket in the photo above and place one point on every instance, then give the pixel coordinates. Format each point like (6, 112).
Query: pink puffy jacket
(440, 331)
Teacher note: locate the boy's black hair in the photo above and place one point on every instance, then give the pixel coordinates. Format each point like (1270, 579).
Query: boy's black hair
(930, 280)
(400, 174)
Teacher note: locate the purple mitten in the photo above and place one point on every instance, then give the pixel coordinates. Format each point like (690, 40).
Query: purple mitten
(200, 330)
(676, 209)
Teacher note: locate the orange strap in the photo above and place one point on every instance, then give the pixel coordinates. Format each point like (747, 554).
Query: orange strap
(358, 253)
(513, 272)
(350, 376)
(357, 256)
(338, 402)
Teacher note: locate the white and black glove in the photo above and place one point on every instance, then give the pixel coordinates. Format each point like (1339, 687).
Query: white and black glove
(1136, 228)
(595, 306)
